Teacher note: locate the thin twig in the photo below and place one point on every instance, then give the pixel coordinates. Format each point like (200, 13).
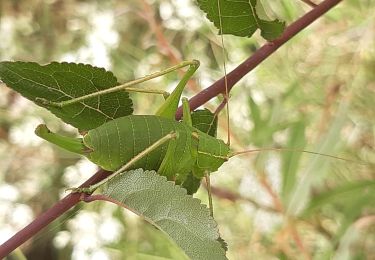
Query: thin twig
(48, 216)
(263, 180)
(279, 206)
(163, 45)
(297, 239)
(310, 3)
(234, 197)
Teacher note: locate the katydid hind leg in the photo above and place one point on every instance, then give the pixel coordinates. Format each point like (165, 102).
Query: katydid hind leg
(193, 65)
(169, 107)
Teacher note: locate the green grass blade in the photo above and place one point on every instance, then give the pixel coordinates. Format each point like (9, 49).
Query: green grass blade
(290, 160)
(256, 115)
(342, 195)
(349, 200)
(316, 168)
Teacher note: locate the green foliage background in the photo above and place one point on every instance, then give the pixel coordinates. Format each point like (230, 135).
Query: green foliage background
(315, 93)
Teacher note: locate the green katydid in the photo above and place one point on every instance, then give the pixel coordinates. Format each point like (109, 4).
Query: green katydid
(152, 142)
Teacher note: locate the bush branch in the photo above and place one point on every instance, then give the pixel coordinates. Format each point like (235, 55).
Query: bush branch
(258, 57)
(201, 98)
(47, 217)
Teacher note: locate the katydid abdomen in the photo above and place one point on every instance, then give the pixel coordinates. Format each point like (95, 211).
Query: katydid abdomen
(116, 142)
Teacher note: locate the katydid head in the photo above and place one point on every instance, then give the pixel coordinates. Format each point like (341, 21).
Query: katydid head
(74, 145)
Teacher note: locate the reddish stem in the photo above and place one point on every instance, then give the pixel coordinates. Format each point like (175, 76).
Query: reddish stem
(311, 4)
(47, 217)
(260, 55)
(201, 98)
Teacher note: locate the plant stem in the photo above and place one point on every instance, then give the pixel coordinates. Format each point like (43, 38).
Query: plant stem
(47, 217)
(310, 3)
(260, 55)
(201, 98)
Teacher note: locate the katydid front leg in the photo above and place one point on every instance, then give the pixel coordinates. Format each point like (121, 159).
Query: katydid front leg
(193, 66)
(187, 120)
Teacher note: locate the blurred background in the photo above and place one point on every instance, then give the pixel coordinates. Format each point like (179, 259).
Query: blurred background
(316, 93)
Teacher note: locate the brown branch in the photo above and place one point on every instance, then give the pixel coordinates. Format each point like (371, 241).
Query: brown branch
(47, 217)
(201, 98)
(310, 3)
(260, 55)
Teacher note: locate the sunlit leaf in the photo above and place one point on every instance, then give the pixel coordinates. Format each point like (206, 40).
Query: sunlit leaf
(205, 121)
(241, 18)
(167, 206)
(64, 81)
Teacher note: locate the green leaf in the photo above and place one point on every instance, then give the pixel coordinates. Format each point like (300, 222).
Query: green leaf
(349, 192)
(167, 206)
(205, 121)
(241, 18)
(64, 81)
